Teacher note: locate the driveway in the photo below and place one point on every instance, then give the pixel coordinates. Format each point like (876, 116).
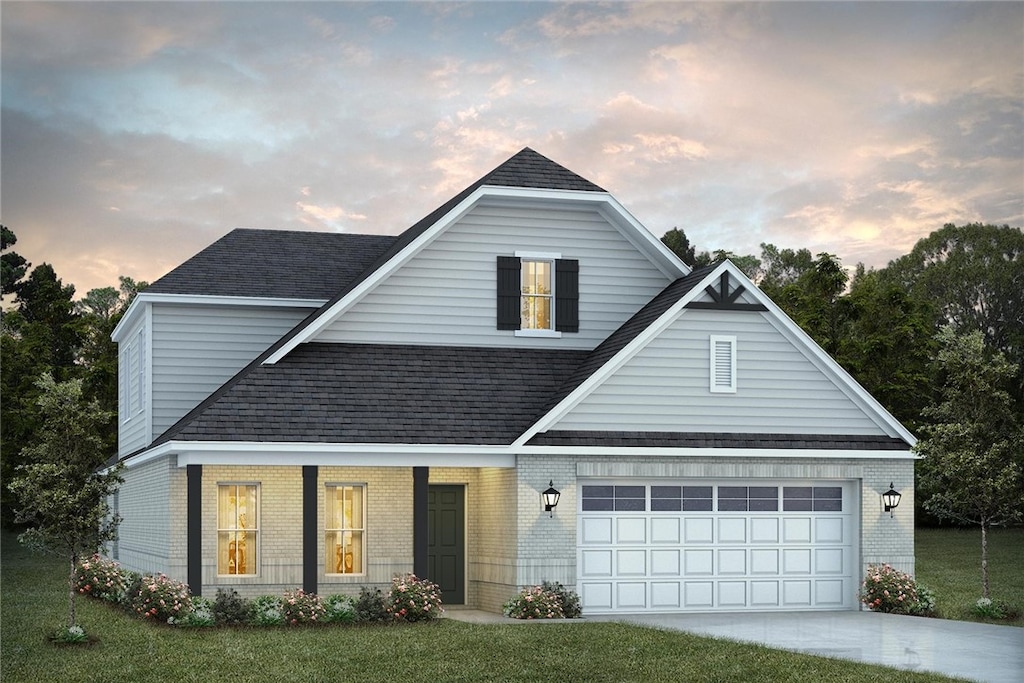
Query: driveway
(978, 652)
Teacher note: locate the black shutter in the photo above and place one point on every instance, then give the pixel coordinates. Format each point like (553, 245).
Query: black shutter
(567, 295)
(509, 289)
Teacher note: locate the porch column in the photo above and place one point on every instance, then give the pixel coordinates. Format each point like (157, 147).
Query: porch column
(194, 528)
(420, 528)
(309, 535)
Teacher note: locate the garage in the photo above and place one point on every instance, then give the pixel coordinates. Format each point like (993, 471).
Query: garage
(706, 546)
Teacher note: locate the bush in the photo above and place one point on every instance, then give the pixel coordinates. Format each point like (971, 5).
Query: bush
(413, 599)
(534, 603)
(990, 609)
(101, 578)
(230, 609)
(159, 598)
(266, 611)
(889, 590)
(339, 609)
(300, 607)
(201, 615)
(370, 606)
(569, 599)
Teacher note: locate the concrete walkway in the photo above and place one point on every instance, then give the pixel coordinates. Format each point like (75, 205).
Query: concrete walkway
(977, 652)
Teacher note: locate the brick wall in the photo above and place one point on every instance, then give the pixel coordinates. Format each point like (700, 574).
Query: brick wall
(145, 539)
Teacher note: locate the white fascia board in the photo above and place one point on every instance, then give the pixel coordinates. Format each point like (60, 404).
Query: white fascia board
(328, 454)
(644, 240)
(875, 410)
(614, 363)
(641, 452)
(139, 304)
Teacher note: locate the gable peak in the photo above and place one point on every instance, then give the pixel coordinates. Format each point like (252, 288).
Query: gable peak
(528, 168)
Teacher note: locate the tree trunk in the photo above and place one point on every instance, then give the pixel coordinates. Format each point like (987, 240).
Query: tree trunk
(71, 591)
(984, 559)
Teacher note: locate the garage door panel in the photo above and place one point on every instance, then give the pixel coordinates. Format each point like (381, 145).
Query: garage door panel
(596, 530)
(631, 530)
(698, 530)
(631, 562)
(757, 553)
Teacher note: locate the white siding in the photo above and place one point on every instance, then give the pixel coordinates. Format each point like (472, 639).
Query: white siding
(665, 387)
(198, 348)
(446, 293)
(131, 421)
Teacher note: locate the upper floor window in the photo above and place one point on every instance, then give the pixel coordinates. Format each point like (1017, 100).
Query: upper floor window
(538, 292)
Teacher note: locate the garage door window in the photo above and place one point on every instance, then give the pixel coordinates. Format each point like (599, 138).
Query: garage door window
(680, 498)
(748, 498)
(812, 498)
(620, 498)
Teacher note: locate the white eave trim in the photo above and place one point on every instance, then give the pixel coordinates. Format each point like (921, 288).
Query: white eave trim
(249, 453)
(143, 298)
(615, 213)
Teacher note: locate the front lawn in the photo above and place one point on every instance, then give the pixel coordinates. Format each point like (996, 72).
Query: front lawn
(949, 562)
(33, 603)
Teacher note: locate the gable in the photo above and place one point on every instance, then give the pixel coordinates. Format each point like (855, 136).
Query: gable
(445, 293)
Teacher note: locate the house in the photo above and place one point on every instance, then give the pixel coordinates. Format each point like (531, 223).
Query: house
(328, 410)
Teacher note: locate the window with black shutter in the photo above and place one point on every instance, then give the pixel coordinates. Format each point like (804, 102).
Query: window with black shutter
(538, 293)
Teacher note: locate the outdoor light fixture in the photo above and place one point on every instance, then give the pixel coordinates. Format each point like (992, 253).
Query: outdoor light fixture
(550, 498)
(891, 499)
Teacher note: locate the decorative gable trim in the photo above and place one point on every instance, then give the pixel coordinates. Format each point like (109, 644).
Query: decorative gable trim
(722, 299)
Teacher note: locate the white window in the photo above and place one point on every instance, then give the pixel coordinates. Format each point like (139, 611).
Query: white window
(124, 395)
(140, 402)
(345, 526)
(537, 294)
(723, 364)
(238, 529)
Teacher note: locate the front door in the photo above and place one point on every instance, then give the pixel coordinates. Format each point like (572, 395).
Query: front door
(446, 557)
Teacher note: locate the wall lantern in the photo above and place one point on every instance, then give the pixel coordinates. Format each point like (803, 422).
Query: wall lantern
(550, 498)
(891, 499)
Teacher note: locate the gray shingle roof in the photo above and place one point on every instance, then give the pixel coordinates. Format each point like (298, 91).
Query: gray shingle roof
(275, 263)
(355, 393)
(717, 440)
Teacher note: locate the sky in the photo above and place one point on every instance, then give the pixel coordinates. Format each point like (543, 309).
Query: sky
(135, 134)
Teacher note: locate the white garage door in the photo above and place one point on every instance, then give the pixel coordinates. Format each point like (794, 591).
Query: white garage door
(676, 546)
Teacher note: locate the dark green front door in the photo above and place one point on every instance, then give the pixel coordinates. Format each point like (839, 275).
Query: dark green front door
(446, 557)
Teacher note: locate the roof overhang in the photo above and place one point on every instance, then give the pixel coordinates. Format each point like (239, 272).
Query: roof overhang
(138, 306)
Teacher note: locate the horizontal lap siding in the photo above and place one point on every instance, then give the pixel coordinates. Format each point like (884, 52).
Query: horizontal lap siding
(665, 386)
(446, 293)
(198, 348)
(131, 432)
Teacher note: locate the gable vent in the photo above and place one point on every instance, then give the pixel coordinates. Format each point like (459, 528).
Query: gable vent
(723, 364)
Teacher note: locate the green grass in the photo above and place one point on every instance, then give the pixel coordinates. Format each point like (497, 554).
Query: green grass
(949, 562)
(33, 604)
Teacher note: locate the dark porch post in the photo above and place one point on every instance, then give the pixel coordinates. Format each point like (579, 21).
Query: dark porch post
(309, 539)
(420, 528)
(194, 528)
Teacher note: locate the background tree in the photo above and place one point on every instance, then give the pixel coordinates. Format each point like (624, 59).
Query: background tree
(973, 276)
(676, 240)
(12, 264)
(972, 472)
(60, 493)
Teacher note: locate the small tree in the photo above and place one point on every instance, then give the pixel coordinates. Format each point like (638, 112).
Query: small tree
(972, 471)
(61, 493)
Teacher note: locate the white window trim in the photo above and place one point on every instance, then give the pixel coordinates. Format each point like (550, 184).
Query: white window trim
(335, 484)
(256, 530)
(551, 257)
(713, 366)
(140, 374)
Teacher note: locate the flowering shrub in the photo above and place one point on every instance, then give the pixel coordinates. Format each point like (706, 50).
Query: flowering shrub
(101, 578)
(200, 616)
(570, 600)
(339, 609)
(266, 611)
(534, 602)
(159, 598)
(889, 590)
(300, 607)
(70, 634)
(413, 599)
(984, 607)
